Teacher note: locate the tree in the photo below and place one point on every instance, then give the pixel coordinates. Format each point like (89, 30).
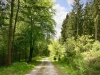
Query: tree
(77, 9)
(88, 24)
(96, 17)
(64, 28)
(45, 18)
(14, 29)
(10, 33)
(30, 26)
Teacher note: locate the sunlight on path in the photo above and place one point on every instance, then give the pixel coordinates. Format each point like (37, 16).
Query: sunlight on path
(45, 68)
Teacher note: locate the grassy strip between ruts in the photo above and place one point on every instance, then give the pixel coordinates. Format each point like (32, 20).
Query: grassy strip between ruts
(20, 68)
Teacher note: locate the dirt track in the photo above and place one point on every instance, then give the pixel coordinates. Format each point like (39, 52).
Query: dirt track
(45, 68)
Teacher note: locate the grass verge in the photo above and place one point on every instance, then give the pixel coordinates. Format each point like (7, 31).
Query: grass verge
(61, 68)
(20, 68)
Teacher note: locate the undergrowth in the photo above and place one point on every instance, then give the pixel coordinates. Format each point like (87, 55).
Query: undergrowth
(81, 57)
(79, 66)
(20, 68)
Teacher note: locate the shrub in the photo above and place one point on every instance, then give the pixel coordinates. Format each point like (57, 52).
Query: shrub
(96, 46)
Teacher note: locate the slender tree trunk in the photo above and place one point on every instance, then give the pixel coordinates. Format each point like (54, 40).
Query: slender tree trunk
(31, 43)
(83, 29)
(10, 33)
(25, 54)
(77, 30)
(96, 30)
(15, 27)
(31, 53)
(19, 55)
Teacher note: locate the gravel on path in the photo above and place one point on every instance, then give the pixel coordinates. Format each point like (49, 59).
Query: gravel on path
(45, 68)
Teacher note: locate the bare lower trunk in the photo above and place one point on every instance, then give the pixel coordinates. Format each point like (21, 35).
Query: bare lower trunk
(96, 31)
(10, 33)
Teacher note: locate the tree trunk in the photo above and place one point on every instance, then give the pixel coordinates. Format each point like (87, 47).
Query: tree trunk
(96, 28)
(96, 31)
(25, 54)
(31, 43)
(19, 55)
(77, 28)
(31, 53)
(15, 27)
(10, 33)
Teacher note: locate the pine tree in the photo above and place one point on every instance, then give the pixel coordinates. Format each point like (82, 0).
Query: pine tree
(64, 28)
(77, 9)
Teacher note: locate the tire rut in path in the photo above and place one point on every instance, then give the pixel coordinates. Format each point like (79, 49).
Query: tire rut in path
(45, 68)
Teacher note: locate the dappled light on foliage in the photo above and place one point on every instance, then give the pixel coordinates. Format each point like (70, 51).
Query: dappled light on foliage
(25, 29)
(56, 49)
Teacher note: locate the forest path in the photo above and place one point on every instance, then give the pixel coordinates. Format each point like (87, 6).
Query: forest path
(45, 68)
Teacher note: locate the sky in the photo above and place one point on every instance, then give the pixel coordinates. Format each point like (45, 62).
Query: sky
(63, 7)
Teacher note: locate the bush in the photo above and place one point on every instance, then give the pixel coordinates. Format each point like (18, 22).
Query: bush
(96, 46)
(76, 65)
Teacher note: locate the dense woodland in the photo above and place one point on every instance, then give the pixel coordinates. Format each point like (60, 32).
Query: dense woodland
(25, 28)
(82, 20)
(78, 48)
(27, 31)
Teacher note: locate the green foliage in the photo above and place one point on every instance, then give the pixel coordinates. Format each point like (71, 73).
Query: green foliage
(84, 43)
(80, 33)
(3, 32)
(96, 46)
(76, 62)
(60, 67)
(81, 56)
(64, 29)
(93, 66)
(56, 50)
(76, 67)
(70, 47)
(82, 20)
(18, 68)
(34, 27)
(95, 53)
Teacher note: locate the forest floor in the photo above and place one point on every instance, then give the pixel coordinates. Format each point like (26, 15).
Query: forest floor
(45, 68)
